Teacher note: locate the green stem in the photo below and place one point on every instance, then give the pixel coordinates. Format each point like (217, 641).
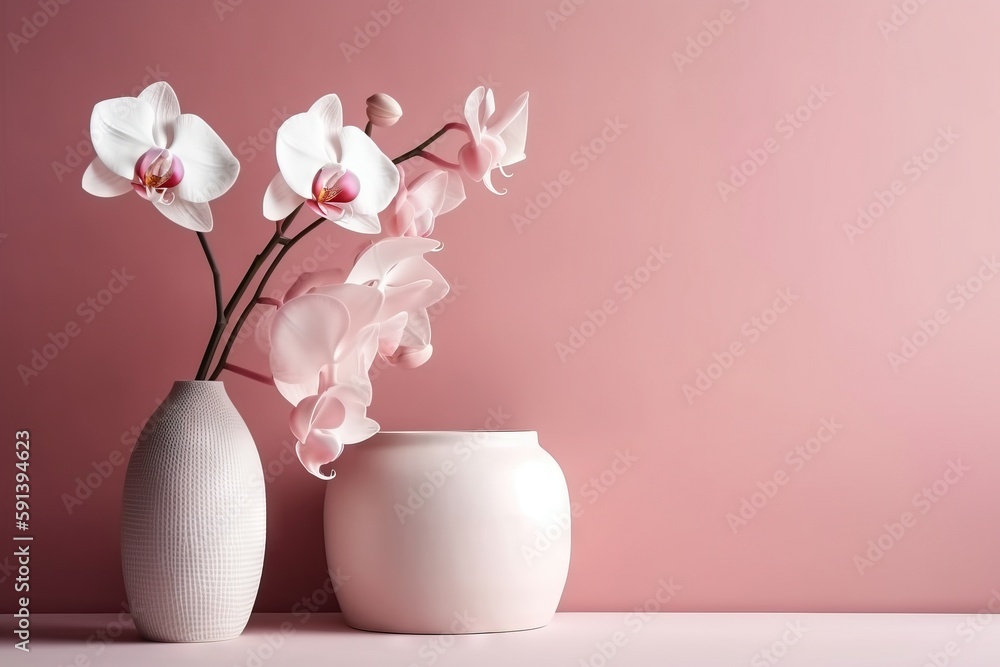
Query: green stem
(256, 296)
(220, 317)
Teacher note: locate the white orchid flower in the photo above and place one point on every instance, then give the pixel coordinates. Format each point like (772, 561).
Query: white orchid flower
(337, 171)
(146, 145)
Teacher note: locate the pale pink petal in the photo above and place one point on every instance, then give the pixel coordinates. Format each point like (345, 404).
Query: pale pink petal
(210, 168)
(472, 105)
(351, 369)
(300, 419)
(454, 194)
(190, 215)
(488, 182)
(378, 175)
(304, 338)
(329, 411)
(367, 345)
(319, 449)
(398, 218)
(263, 318)
(391, 332)
(406, 357)
(410, 297)
(166, 109)
(489, 107)
(427, 191)
(362, 302)
(418, 330)
(422, 224)
(512, 129)
(121, 130)
(301, 149)
(294, 392)
(279, 199)
(310, 279)
(356, 426)
(100, 181)
(358, 430)
(375, 262)
(416, 269)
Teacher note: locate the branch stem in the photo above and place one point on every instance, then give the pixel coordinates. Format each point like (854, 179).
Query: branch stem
(247, 373)
(259, 260)
(434, 137)
(434, 159)
(257, 293)
(220, 317)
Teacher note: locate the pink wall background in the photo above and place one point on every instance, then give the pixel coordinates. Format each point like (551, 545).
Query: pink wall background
(650, 183)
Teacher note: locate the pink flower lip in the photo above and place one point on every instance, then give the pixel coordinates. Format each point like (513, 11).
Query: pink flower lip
(156, 172)
(334, 184)
(477, 159)
(158, 169)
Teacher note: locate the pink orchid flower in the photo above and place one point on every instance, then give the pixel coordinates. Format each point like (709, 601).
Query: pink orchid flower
(146, 145)
(323, 424)
(396, 267)
(497, 140)
(328, 337)
(337, 171)
(416, 206)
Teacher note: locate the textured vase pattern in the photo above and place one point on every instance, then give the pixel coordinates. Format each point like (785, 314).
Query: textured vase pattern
(193, 519)
(448, 532)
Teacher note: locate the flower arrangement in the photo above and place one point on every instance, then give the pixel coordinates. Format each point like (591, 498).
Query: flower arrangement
(327, 329)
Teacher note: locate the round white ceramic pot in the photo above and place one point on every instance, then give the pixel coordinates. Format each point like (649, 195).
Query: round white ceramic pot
(448, 532)
(193, 519)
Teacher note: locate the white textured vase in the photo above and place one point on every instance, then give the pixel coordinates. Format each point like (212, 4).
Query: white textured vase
(448, 532)
(193, 519)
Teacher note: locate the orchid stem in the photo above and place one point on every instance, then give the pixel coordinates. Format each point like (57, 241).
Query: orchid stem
(434, 137)
(247, 373)
(256, 296)
(223, 313)
(434, 159)
(220, 317)
(287, 222)
(259, 260)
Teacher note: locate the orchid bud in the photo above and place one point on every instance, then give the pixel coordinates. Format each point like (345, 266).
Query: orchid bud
(383, 111)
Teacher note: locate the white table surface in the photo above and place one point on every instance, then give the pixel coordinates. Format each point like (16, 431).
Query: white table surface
(573, 639)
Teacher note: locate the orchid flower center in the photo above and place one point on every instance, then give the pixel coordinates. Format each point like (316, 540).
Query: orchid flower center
(334, 184)
(156, 172)
(334, 187)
